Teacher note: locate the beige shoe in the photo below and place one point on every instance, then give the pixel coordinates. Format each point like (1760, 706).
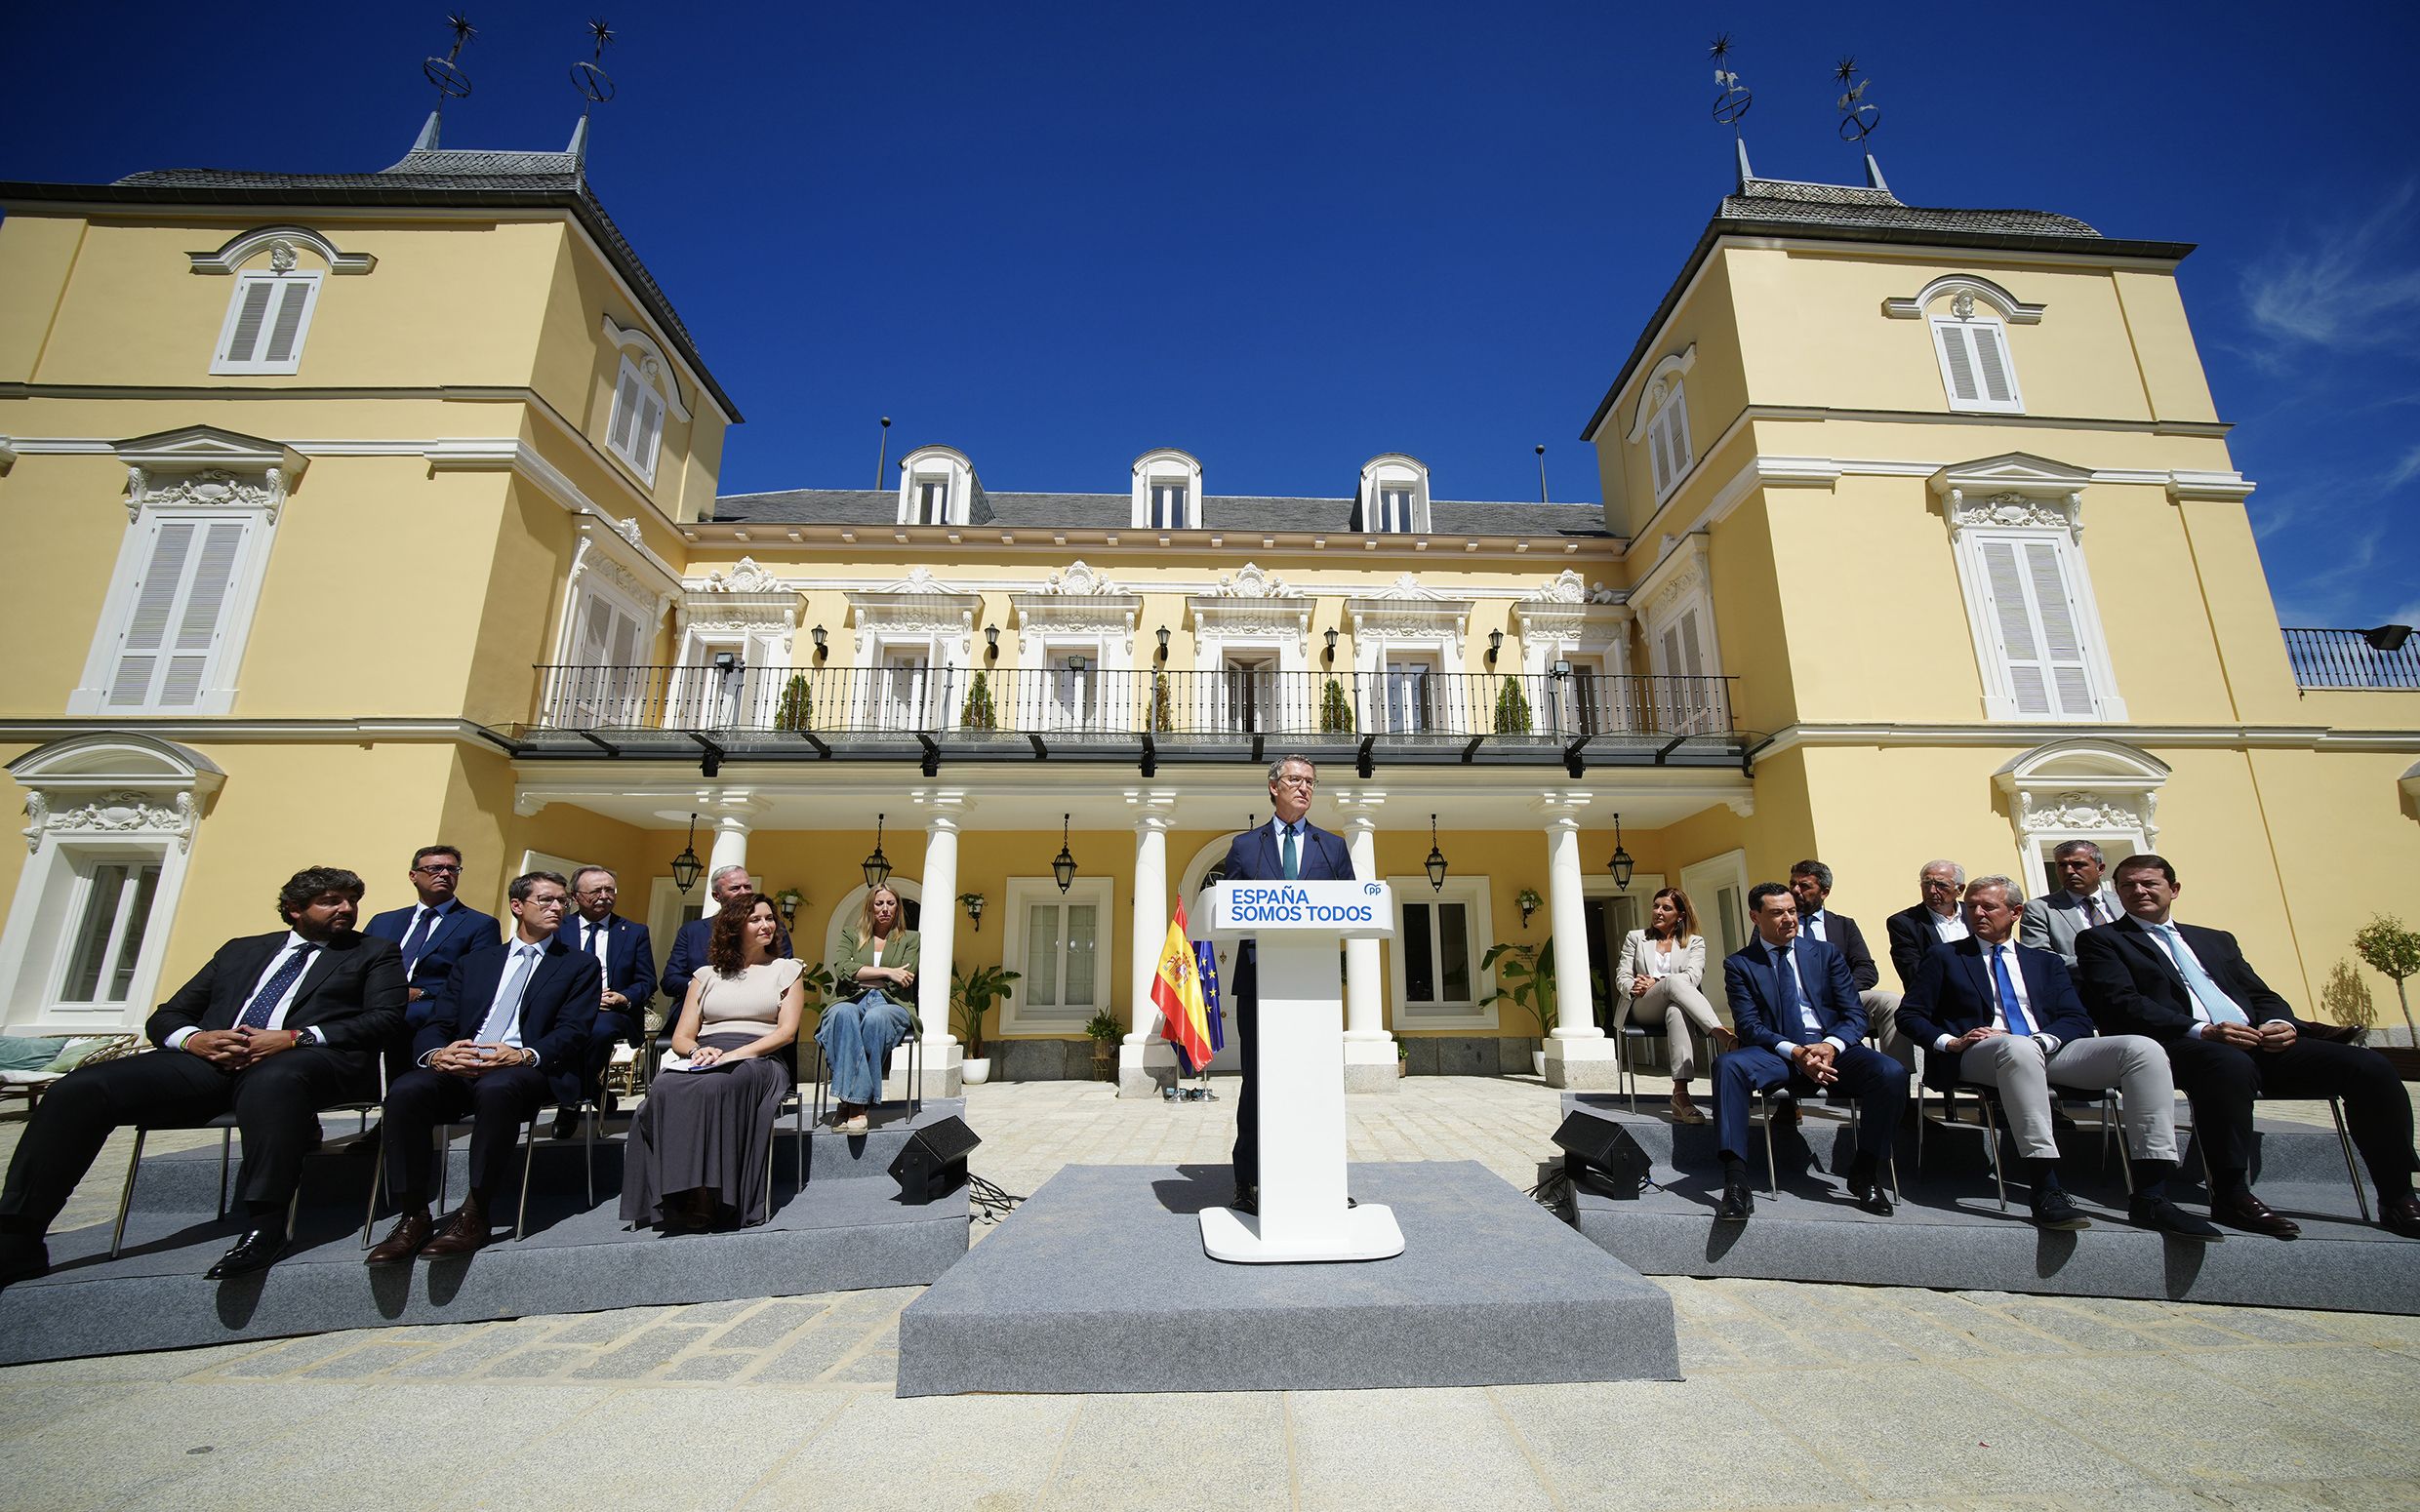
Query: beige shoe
(1686, 1112)
(853, 1123)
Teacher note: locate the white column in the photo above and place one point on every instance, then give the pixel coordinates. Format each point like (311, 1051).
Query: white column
(1147, 1061)
(942, 1058)
(731, 828)
(1578, 1055)
(1369, 1049)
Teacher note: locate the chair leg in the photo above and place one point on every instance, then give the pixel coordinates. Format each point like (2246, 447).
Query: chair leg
(597, 1116)
(2353, 1174)
(126, 1197)
(1772, 1165)
(294, 1208)
(1991, 1135)
(529, 1159)
(799, 1137)
(226, 1149)
(445, 1162)
(377, 1178)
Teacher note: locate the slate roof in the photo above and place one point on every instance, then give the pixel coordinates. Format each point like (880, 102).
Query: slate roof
(422, 178)
(1112, 511)
(1831, 212)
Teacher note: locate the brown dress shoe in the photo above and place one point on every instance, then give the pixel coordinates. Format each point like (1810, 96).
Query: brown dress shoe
(466, 1232)
(2400, 1215)
(2250, 1213)
(411, 1231)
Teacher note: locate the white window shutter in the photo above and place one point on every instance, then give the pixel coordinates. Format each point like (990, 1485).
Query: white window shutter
(2012, 621)
(147, 627)
(1659, 459)
(1692, 656)
(649, 431)
(1677, 429)
(205, 604)
(1957, 360)
(286, 327)
(178, 615)
(251, 314)
(1992, 364)
(2061, 644)
(626, 412)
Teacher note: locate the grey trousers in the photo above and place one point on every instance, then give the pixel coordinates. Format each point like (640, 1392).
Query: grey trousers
(1882, 1017)
(1683, 1006)
(2013, 1065)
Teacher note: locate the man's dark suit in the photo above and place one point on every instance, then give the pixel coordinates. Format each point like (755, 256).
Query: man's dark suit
(1912, 939)
(557, 1008)
(353, 993)
(629, 970)
(1953, 993)
(1841, 933)
(2132, 986)
(1763, 1014)
(1255, 856)
(688, 959)
(459, 931)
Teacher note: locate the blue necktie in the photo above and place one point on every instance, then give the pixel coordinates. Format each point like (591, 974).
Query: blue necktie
(418, 941)
(265, 1002)
(1785, 962)
(2008, 1009)
(2214, 1000)
(1293, 855)
(508, 998)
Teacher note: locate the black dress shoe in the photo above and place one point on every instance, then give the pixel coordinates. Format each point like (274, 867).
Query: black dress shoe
(2396, 1215)
(566, 1123)
(1869, 1193)
(255, 1248)
(2248, 1213)
(1247, 1199)
(411, 1231)
(2158, 1213)
(1736, 1204)
(2054, 1208)
(22, 1258)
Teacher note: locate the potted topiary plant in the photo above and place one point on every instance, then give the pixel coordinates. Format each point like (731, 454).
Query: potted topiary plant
(798, 708)
(1335, 709)
(1104, 1032)
(977, 712)
(1511, 709)
(1163, 713)
(971, 996)
(2394, 952)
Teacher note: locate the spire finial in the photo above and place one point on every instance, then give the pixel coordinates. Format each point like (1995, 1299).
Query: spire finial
(594, 84)
(1857, 118)
(452, 83)
(1732, 104)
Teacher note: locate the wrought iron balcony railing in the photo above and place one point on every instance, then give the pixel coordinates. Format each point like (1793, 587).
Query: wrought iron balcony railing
(1071, 710)
(2384, 657)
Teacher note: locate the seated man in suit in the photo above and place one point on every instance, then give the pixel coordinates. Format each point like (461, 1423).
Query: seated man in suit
(507, 1035)
(1800, 1026)
(2082, 901)
(629, 961)
(1810, 883)
(2006, 1015)
(274, 1028)
(439, 930)
(688, 957)
(1287, 848)
(2230, 1039)
(1934, 921)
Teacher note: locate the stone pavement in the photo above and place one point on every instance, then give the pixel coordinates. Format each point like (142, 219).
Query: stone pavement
(1796, 1396)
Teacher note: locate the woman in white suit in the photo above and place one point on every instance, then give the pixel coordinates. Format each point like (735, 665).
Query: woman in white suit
(1661, 970)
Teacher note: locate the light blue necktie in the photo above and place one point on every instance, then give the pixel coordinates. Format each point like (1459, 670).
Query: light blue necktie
(2009, 1007)
(1293, 855)
(1786, 962)
(509, 999)
(2214, 1000)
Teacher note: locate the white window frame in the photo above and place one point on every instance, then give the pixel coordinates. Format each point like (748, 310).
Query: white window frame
(2000, 696)
(1165, 490)
(1022, 893)
(215, 692)
(1704, 882)
(1473, 893)
(1684, 600)
(284, 288)
(1668, 456)
(1393, 473)
(928, 494)
(620, 694)
(1968, 334)
(640, 441)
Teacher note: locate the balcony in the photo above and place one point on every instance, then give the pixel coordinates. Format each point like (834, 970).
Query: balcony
(1080, 712)
(2383, 658)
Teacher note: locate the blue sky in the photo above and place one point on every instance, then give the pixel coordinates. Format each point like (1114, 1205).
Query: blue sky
(1288, 237)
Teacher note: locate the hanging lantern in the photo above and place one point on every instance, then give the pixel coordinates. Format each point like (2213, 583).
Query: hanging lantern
(1437, 859)
(877, 866)
(1063, 867)
(686, 866)
(1620, 865)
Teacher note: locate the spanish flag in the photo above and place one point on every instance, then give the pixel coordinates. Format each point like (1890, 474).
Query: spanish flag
(1177, 993)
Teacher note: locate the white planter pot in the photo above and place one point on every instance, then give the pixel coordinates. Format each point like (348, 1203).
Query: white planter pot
(975, 1072)
(1537, 1060)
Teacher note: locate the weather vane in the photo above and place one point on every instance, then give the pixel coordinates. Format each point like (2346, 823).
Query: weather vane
(594, 84)
(1734, 100)
(1857, 118)
(452, 83)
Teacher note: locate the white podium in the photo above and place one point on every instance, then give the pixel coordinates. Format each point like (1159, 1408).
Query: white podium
(1301, 1045)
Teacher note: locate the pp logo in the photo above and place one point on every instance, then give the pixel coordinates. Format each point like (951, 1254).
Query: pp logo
(1372, 889)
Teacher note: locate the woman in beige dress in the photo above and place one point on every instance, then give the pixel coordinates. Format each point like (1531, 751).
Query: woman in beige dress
(1660, 969)
(702, 1140)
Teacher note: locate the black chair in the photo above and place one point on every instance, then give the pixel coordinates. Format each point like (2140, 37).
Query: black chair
(914, 1045)
(224, 1123)
(1761, 1114)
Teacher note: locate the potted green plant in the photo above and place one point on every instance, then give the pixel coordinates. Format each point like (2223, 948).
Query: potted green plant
(1511, 708)
(1335, 709)
(1402, 1057)
(1526, 980)
(971, 996)
(977, 712)
(2394, 952)
(1104, 1032)
(796, 710)
(1163, 713)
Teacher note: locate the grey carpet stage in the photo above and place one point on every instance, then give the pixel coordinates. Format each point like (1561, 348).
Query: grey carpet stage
(1099, 1283)
(849, 1229)
(1951, 1233)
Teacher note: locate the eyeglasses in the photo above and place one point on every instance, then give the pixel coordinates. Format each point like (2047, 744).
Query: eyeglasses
(1298, 781)
(1933, 883)
(441, 871)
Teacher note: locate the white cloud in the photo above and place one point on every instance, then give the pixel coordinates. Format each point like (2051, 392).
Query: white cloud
(2356, 289)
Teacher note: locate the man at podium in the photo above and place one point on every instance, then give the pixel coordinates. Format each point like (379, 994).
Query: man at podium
(1287, 848)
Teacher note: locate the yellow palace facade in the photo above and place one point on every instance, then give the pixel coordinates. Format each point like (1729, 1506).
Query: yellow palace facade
(347, 513)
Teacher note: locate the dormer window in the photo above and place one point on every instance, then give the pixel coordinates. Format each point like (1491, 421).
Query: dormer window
(1168, 505)
(267, 319)
(1167, 492)
(937, 486)
(1394, 495)
(1975, 368)
(931, 493)
(636, 430)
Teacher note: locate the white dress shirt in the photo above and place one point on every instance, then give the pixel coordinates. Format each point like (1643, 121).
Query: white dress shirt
(2025, 998)
(2172, 939)
(515, 978)
(277, 1011)
(1808, 1024)
(1951, 927)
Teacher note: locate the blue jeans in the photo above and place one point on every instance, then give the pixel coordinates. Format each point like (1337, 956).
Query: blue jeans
(856, 1036)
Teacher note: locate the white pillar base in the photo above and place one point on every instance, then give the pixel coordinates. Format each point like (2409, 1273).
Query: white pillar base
(943, 1062)
(1371, 1064)
(1354, 1234)
(1143, 1069)
(1583, 1064)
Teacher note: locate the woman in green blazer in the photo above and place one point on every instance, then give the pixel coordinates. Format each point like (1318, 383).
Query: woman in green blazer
(873, 997)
